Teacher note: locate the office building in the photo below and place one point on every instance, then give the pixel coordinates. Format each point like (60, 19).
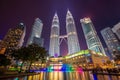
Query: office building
(116, 30)
(92, 39)
(36, 31)
(54, 37)
(72, 37)
(14, 37)
(110, 39)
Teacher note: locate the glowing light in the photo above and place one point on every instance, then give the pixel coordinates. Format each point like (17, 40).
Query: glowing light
(71, 33)
(86, 20)
(14, 69)
(50, 69)
(95, 77)
(86, 51)
(63, 68)
(37, 35)
(56, 55)
(79, 53)
(93, 52)
(47, 58)
(53, 36)
(16, 78)
(79, 70)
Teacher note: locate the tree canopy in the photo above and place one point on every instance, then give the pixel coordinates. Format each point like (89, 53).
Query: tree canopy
(31, 53)
(4, 61)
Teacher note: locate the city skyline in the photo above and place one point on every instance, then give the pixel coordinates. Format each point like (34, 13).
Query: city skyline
(102, 15)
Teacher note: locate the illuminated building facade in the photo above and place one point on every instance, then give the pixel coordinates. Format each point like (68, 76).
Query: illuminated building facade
(2, 47)
(86, 59)
(36, 31)
(1, 44)
(92, 39)
(116, 30)
(83, 58)
(15, 37)
(54, 37)
(22, 26)
(38, 41)
(72, 38)
(110, 39)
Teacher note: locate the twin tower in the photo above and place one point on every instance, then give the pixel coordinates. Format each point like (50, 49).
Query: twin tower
(72, 38)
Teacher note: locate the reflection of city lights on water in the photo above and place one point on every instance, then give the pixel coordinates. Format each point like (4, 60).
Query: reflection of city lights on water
(79, 70)
(63, 68)
(16, 78)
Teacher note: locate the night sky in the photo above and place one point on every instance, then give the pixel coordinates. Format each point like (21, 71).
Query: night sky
(104, 13)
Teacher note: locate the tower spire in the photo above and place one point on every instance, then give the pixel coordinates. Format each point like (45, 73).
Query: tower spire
(55, 14)
(73, 43)
(68, 9)
(55, 17)
(68, 13)
(54, 37)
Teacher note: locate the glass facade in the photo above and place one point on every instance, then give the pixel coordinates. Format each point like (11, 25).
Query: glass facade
(73, 44)
(110, 39)
(92, 39)
(39, 41)
(36, 30)
(116, 30)
(54, 37)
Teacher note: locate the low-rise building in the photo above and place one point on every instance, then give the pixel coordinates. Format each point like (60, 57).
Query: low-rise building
(86, 59)
(83, 58)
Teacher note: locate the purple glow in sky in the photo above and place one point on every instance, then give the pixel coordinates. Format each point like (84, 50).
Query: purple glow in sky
(104, 13)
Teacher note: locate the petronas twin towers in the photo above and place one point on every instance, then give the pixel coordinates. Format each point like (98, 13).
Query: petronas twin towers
(72, 38)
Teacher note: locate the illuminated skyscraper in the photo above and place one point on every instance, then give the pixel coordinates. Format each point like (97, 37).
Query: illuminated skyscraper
(110, 40)
(36, 31)
(73, 44)
(92, 39)
(14, 37)
(38, 41)
(54, 37)
(116, 30)
(23, 28)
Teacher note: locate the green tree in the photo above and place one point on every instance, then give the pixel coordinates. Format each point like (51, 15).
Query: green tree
(43, 55)
(36, 53)
(4, 61)
(20, 54)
